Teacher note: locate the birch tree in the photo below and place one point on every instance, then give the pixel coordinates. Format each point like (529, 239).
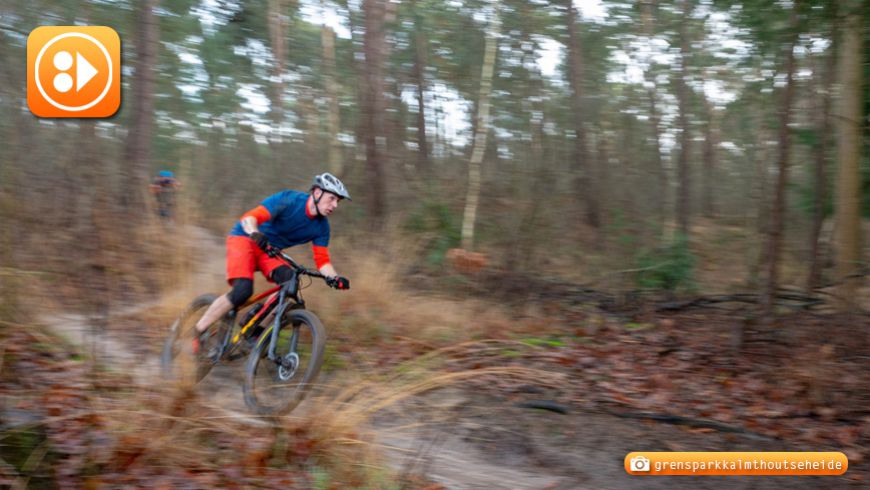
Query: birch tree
(481, 128)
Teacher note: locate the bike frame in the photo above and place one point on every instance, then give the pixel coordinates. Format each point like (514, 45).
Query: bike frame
(280, 302)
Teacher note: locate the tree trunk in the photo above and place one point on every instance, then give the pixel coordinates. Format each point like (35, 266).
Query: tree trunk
(481, 130)
(814, 278)
(582, 161)
(373, 105)
(761, 191)
(327, 38)
(849, 125)
(137, 153)
(420, 81)
(277, 29)
(682, 200)
(774, 246)
(708, 205)
(603, 152)
(309, 121)
(658, 167)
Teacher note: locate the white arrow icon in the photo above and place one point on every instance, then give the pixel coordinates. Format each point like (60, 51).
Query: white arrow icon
(84, 71)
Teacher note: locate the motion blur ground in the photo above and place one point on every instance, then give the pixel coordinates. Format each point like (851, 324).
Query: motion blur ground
(664, 240)
(510, 400)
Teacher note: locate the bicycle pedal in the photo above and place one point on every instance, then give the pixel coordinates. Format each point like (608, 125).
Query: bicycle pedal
(241, 349)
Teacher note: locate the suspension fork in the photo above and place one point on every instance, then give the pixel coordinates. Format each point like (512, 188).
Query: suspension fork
(276, 325)
(288, 291)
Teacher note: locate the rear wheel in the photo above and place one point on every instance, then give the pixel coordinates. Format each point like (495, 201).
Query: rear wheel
(277, 386)
(178, 360)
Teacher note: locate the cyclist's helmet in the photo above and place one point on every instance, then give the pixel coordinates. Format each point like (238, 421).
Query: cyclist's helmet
(330, 183)
(166, 174)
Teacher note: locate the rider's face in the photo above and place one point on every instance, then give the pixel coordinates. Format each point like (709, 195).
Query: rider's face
(328, 203)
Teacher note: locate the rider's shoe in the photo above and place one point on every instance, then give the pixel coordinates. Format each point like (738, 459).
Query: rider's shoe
(198, 340)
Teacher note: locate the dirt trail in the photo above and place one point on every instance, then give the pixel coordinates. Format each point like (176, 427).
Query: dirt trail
(107, 347)
(463, 439)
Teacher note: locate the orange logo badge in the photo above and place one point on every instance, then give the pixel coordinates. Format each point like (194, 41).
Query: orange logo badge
(73, 71)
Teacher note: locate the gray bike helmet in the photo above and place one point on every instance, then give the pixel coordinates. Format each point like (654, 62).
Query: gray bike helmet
(330, 183)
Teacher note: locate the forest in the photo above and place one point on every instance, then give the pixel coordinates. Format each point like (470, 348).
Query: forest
(578, 228)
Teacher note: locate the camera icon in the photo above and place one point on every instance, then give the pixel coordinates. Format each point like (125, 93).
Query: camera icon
(638, 463)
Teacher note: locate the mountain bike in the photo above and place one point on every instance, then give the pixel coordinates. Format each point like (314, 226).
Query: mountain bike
(286, 343)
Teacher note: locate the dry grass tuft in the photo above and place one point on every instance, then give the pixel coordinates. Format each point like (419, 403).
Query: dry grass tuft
(383, 305)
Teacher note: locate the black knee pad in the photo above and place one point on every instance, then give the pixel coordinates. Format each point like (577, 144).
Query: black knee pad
(282, 274)
(242, 290)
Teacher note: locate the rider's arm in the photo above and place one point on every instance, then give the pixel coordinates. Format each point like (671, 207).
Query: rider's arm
(328, 270)
(322, 261)
(255, 217)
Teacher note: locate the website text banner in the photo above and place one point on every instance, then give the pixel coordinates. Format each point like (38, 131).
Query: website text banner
(736, 463)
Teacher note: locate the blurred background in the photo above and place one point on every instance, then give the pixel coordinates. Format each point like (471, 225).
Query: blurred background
(572, 175)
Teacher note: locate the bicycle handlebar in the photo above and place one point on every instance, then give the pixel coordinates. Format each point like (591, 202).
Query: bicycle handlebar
(298, 268)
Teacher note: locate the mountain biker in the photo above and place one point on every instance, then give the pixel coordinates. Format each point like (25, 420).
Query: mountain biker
(283, 220)
(164, 187)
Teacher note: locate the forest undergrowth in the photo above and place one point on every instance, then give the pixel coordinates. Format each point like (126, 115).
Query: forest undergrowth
(70, 421)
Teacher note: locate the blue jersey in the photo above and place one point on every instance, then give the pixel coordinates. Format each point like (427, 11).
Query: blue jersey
(289, 224)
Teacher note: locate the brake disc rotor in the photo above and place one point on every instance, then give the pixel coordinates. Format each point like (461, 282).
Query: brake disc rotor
(289, 364)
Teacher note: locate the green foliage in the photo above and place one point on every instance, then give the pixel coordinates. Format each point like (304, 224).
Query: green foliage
(440, 225)
(806, 198)
(541, 342)
(634, 327)
(667, 268)
(332, 360)
(18, 448)
(319, 478)
(807, 136)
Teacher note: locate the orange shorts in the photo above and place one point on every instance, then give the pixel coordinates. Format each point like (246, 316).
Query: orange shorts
(244, 257)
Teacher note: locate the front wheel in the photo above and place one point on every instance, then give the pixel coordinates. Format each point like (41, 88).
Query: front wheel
(178, 361)
(277, 386)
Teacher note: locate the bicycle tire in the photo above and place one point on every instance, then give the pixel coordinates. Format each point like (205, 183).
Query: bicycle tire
(177, 360)
(271, 389)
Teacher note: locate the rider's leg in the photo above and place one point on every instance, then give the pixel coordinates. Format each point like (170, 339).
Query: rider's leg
(282, 274)
(279, 275)
(241, 264)
(218, 309)
(243, 288)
